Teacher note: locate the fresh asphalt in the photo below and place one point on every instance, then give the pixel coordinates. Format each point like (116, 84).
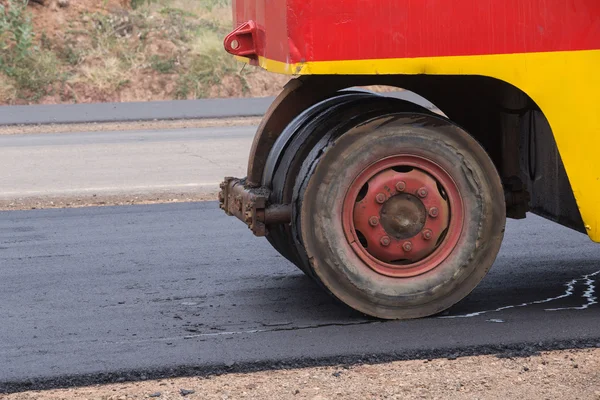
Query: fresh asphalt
(152, 110)
(113, 293)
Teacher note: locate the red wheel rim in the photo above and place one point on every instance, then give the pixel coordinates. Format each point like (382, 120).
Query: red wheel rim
(403, 215)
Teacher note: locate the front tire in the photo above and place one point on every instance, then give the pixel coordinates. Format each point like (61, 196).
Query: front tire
(402, 216)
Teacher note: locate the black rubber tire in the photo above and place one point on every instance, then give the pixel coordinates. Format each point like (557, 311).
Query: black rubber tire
(277, 234)
(331, 118)
(318, 223)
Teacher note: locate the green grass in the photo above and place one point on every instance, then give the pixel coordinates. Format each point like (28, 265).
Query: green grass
(30, 69)
(164, 66)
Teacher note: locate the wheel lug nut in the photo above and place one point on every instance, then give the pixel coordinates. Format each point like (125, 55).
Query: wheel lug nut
(433, 212)
(385, 241)
(407, 246)
(422, 192)
(380, 198)
(373, 221)
(401, 186)
(427, 234)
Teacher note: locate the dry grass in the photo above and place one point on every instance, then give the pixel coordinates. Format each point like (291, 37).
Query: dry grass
(7, 88)
(104, 51)
(107, 74)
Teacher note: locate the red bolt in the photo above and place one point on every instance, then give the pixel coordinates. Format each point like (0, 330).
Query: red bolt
(427, 234)
(373, 221)
(433, 212)
(385, 241)
(400, 186)
(380, 198)
(407, 246)
(422, 192)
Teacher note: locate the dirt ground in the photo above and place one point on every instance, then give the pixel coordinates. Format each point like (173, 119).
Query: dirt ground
(565, 375)
(48, 202)
(128, 126)
(107, 51)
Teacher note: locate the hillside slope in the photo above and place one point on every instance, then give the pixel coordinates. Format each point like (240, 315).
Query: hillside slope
(79, 51)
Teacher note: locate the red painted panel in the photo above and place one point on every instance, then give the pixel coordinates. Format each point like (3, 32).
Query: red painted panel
(271, 19)
(367, 29)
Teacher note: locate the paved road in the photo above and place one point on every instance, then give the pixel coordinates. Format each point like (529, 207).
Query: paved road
(98, 294)
(107, 163)
(184, 161)
(152, 110)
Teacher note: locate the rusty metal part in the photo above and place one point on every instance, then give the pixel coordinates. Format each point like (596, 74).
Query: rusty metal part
(408, 240)
(403, 216)
(380, 198)
(250, 206)
(385, 241)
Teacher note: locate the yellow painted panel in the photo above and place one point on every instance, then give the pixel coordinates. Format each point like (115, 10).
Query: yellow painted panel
(565, 85)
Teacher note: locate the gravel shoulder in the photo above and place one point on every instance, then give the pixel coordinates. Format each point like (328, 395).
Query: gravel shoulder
(567, 374)
(102, 200)
(128, 126)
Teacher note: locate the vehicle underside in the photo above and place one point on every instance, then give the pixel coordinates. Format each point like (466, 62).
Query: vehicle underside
(396, 209)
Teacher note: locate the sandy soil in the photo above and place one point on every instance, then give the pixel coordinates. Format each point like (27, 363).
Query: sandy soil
(569, 374)
(103, 52)
(129, 126)
(36, 203)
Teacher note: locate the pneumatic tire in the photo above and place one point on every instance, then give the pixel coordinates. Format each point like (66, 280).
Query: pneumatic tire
(401, 217)
(323, 122)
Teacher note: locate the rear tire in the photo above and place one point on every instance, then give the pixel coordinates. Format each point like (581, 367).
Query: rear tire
(449, 252)
(327, 119)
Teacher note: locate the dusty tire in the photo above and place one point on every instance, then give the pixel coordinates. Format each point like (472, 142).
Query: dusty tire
(275, 167)
(331, 117)
(370, 280)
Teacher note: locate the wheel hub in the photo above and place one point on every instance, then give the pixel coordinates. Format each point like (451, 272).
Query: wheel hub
(397, 215)
(403, 216)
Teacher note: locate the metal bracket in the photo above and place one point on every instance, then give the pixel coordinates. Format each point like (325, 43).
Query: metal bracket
(242, 41)
(250, 206)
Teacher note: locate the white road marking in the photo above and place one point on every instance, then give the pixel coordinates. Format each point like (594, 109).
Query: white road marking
(589, 296)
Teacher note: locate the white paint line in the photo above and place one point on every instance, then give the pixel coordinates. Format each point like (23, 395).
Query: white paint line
(588, 295)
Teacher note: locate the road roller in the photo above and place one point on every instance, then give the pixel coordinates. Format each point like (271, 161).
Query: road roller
(395, 209)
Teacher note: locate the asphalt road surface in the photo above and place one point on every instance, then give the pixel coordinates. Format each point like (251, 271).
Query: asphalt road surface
(107, 163)
(185, 161)
(112, 293)
(152, 110)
